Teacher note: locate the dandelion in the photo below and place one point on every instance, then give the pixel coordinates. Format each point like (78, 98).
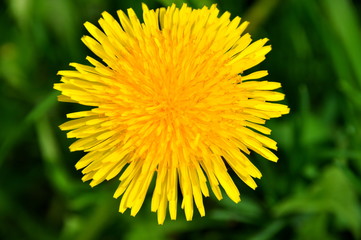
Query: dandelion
(170, 101)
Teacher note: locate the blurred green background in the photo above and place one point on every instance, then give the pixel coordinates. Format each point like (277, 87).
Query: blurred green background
(313, 192)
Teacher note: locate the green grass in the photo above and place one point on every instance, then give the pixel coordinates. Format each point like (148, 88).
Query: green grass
(313, 192)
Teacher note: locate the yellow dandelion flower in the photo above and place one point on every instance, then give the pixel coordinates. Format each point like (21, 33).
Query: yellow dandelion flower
(170, 101)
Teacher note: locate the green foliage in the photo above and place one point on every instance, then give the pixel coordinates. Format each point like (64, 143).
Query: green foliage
(313, 192)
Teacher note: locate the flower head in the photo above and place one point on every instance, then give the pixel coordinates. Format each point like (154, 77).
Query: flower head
(170, 102)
